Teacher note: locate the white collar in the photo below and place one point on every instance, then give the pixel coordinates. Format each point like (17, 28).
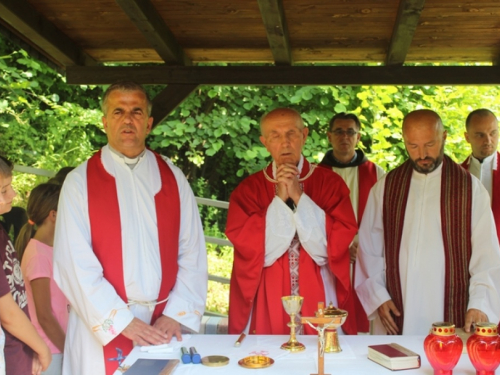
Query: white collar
(131, 162)
(486, 161)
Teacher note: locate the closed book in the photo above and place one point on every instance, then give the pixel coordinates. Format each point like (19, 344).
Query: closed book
(393, 356)
(152, 367)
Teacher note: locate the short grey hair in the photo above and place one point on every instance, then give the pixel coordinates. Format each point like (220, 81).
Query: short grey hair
(125, 86)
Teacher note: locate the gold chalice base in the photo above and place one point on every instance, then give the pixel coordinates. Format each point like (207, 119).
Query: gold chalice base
(293, 346)
(256, 361)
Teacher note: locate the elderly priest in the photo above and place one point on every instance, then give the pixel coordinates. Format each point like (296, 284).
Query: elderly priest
(291, 225)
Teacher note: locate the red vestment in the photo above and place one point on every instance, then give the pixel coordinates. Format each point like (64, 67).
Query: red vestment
(259, 289)
(495, 199)
(104, 212)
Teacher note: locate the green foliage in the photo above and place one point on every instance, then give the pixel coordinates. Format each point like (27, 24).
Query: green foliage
(44, 122)
(214, 135)
(220, 262)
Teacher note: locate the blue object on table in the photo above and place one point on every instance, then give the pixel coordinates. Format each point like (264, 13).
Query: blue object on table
(195, 357)
(185, 357)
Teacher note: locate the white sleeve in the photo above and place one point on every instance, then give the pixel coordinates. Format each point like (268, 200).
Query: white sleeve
(370, 267)
(77, 271)
(187, 299)
(484, 266)
(308, 221)
(280, 230)
(311, 227)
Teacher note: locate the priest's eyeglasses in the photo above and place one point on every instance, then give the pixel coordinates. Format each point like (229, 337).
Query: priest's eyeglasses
(341, 132)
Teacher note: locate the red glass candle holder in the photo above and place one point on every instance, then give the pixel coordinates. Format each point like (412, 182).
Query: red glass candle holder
(483, 348)
(443, 348)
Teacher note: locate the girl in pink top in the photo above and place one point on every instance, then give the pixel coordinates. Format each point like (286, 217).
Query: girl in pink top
(47, 305)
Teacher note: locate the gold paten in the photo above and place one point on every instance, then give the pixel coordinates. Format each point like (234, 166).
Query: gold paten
(256, 361)
(215, 360)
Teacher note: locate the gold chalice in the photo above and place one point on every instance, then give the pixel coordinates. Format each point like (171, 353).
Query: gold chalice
(292, 305)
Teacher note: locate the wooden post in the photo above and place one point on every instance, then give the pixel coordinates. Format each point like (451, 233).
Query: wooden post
(320, 320)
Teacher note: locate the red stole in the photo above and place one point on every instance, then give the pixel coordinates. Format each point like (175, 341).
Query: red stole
(104, 212)
(495, 191)
(456, 207)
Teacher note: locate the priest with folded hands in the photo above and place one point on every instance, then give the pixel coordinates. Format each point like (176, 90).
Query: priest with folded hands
(291, 225)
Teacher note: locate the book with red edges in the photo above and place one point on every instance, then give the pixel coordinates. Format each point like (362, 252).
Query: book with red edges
(393, 356)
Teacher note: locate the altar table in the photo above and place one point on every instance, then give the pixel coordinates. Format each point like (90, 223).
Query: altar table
(351, 361)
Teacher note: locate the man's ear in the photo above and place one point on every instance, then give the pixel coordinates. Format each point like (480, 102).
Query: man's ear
(150, 125)
(305, 132)
(263, 140)
(466, 135)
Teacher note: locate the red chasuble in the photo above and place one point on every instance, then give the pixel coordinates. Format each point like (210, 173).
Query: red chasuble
(106, 234)
(495, 190)
(259, 289)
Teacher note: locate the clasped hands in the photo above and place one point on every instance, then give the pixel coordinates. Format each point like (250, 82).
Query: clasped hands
(161, 332)
(287, 176)
(388, 308)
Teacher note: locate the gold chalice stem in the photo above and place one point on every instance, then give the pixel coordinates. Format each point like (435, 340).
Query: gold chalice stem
(292, 326)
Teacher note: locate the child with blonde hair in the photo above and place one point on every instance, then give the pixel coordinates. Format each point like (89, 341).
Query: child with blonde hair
(48, 306)
(25, 352)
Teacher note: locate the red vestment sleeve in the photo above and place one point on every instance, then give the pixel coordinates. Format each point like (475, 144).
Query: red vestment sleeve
(258, 289)
(245, 228)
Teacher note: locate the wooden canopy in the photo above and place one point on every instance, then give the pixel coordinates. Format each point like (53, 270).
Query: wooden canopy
(278, 42)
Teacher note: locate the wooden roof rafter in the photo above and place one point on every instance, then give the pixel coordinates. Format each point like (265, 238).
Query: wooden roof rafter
(288, 75)
(168, 99)
(22, 17)
(147, 20)
(144, 15)
(406, 24)
(273, 16)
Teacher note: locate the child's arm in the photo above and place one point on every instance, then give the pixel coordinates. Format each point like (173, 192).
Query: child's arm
(15, 321)
(43, 306)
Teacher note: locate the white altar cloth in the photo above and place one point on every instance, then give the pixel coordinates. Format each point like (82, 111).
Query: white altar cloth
(351, 361)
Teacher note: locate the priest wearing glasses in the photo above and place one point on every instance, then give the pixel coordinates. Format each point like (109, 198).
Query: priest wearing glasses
(359, 173)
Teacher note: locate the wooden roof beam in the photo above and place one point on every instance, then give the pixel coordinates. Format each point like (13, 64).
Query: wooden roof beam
(287, 75)
(274, 20)
(167, 100)
(145, 17)
(21, 16)
(404, 29)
